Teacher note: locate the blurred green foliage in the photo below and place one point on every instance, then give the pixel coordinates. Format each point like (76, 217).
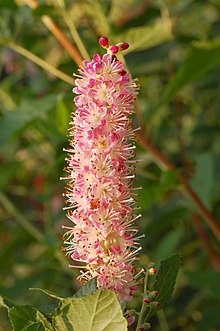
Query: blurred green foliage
(175, 54)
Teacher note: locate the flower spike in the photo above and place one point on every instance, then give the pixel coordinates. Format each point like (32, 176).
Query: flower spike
(100, 174)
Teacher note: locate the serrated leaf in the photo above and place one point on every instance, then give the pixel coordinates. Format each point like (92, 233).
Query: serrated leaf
(88, 288)
(200, 58)
(143, 37)
(27, 318)
(166, 278)
(99, 311)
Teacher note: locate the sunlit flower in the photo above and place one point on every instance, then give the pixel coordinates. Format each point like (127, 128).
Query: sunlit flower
(102, 238)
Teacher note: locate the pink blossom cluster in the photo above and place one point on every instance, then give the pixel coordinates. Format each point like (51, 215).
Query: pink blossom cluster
(99, 192)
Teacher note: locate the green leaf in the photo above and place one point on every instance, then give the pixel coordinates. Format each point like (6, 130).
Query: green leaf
(5, 324)
(88, 288)
(168, 244)
(27, 318)
(209, 279)
(99, 311)
(166, 278)
(203, 180)
(27, 111)
(143, 37)
(202, 57)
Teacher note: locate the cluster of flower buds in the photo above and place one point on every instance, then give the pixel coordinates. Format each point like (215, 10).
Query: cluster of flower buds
(112, 49)
(100, 194)
(150, 299)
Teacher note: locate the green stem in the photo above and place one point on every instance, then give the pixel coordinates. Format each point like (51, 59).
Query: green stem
(143, 307)
(41, 63)
(20, 219)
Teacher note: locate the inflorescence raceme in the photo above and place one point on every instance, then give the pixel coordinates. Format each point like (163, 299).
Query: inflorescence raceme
(100, 198)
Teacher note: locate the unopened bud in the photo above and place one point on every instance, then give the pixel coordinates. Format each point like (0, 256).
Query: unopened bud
(103, 41)
(113, 49)
(152, 271)
(145, 326)
(123, 46)
(147, 300)
(153, 294)
(154, 304)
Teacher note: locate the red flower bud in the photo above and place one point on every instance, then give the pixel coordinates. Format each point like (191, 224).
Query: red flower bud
(113, 49)
(103, 41)
(123, 46)
(147, 300)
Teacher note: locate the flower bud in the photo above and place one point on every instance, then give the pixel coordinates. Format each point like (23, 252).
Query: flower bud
(154, 304)
(152, 271)
(145, 326)
(123, 46)
(153, 294)
(103, 41)
(147, 300)
(113, 49)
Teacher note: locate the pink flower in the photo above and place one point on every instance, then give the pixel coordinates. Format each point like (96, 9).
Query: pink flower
(100, 173)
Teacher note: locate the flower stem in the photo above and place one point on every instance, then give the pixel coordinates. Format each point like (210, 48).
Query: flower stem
(143, 307)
